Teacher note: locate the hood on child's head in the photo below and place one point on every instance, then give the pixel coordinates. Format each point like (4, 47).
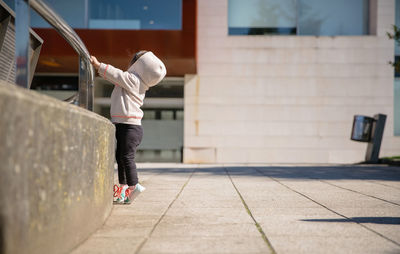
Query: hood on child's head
(149, 68)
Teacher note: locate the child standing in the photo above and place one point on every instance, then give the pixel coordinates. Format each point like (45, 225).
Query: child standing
(145, 70)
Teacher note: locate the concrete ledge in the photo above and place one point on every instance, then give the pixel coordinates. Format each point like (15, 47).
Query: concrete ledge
(56, 166)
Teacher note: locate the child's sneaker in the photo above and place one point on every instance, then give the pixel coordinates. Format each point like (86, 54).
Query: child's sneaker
(130, 194)
(119, 193)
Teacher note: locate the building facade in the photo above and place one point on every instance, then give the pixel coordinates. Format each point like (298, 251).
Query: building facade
(288, 98)
(255, 81)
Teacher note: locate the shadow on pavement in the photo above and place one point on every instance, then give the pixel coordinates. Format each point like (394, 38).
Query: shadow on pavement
(375, 220)
(353, 172)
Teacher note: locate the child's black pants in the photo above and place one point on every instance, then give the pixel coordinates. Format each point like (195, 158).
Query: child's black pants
(128, 138)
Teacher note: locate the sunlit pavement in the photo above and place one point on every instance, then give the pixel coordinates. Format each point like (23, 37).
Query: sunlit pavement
(256, 209)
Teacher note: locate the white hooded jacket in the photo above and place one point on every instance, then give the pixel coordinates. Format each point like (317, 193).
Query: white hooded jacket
(131, 86)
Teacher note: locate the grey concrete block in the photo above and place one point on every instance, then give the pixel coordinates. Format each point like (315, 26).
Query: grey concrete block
(56, 172)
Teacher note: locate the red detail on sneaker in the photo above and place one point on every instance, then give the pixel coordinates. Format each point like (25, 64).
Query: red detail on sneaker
(128, 192)
(117, 191)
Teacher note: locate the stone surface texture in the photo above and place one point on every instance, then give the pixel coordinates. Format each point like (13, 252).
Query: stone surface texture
(56, 172)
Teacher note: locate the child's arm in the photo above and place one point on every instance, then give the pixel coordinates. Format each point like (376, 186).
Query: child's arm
(124, 79)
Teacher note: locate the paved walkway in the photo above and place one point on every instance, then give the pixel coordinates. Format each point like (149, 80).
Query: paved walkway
(256, 209)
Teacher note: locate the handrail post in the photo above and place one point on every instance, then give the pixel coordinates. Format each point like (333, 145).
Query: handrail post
(90, 85)
(22, 41)
(85, 84)
(22, 63)
(83, 87)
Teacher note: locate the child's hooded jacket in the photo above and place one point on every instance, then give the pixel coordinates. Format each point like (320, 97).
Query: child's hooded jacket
(131, 86)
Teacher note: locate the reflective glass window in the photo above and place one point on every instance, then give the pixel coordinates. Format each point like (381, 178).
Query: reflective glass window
(138, 14)
(72, 11)
(300, 17)
(10, 3)
(330, 18)
(262, 17)
(396, 91)
(397, 23)
(116, 14)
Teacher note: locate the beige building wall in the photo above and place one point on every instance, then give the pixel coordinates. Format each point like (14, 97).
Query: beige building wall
(286, 99)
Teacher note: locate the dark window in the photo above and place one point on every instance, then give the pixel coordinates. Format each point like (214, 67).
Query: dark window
(55, 83)
(163, 114)
(165, 91)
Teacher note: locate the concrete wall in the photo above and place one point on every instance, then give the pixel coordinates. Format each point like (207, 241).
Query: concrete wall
(56, 166)
(286, 99)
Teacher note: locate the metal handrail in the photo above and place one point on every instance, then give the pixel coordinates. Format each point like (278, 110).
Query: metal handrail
(86, 71)
(61, 26)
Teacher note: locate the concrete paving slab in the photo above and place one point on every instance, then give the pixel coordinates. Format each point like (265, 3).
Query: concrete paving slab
(385, 210)
(267, 212)
(295, 226)
(391, 184)
(369, 188)
(385, 220)
(332, 196)
(303, 221)
(158, 194)
(210, 203)
(123, 231)
(332, 244)
(196, 244)
(106, 245)
(121, 221)
(390, 231)
(145, 208)
(282, 202)
(335, 202)
(171, 229)
(196, 215)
